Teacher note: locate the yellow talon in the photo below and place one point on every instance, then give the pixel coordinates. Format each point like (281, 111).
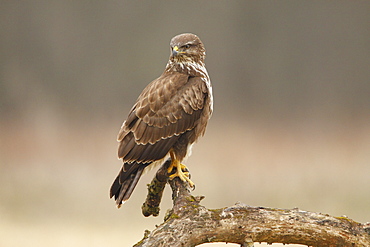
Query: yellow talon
(181, 172)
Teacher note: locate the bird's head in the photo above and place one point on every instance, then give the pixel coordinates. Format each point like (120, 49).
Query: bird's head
(187, 48)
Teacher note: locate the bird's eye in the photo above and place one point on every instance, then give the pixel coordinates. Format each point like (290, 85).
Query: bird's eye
(187, 46)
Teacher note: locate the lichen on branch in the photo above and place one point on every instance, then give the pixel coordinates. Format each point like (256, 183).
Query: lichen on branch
(189, 223)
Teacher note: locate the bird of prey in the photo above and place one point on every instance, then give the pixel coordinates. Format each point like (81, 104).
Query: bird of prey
(168, 117)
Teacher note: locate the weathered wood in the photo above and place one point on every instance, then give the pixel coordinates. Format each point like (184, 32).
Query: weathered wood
(155, 191)
(190, 224)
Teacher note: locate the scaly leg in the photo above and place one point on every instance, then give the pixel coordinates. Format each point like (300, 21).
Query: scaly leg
(181, 170)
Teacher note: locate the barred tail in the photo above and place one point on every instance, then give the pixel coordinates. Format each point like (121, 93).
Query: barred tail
(125, 183)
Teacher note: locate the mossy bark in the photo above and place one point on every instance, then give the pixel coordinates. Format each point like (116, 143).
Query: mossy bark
(190, 224)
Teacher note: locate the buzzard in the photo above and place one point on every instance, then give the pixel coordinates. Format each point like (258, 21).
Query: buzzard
(168, 117)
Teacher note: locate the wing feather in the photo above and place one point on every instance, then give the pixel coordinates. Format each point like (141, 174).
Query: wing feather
(167, 108)
(140, 130)
(127, 144)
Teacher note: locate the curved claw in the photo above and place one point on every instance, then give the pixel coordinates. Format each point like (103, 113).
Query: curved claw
(181, 171)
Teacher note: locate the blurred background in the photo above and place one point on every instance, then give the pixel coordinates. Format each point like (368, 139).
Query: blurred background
(291, 123)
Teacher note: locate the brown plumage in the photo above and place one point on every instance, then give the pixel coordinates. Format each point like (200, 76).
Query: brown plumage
(168, 117)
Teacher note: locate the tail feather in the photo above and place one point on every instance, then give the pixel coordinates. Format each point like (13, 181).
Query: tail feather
(125, 183)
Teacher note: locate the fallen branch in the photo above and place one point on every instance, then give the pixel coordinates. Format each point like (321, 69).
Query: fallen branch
(191, 224)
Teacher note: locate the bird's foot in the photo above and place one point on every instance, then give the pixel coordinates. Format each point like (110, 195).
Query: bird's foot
(182, 172)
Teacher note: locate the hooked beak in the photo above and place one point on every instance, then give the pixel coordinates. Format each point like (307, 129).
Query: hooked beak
(175, 51)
